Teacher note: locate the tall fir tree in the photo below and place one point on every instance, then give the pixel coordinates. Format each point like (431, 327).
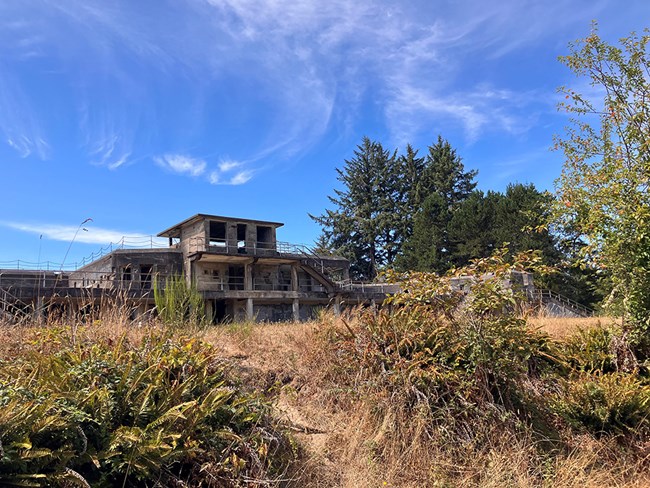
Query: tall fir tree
(422, 250)
(444, 173)
(485, 222)
(409, 172)
(443, 185)
(362, 225)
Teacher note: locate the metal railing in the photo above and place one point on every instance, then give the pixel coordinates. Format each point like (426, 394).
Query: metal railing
(258, 284)
(54, 281)
(544, 296)
(365, 287)
(233, 283)
(222, 246)
(127, 242)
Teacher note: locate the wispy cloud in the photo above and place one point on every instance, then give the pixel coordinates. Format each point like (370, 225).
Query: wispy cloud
(225, 174)
(61, 232)
(181, 164)
(241, 177)
(228, 165)
(477, 111)
(18, 120)
(412, 58)
(119, 162)
(312, 65)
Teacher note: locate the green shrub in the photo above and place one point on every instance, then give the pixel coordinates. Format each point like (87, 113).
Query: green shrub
(467, 357)
(616, 403)
(120, 415)
(590, 350)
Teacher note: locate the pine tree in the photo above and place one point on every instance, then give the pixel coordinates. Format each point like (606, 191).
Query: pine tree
(471, 228)
(483, 223)
(423, 250)
(445, 174)
(408, 172)
(362, 225)
(443, 185)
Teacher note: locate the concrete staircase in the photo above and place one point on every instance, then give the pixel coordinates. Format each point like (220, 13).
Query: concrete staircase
(557, 305)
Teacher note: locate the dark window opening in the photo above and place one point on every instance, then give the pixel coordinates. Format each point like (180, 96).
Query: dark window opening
(126, 273)
(218, 234)
(264, 237)
(236, 277)
(146, 275)
(284, 278)
(241, 238)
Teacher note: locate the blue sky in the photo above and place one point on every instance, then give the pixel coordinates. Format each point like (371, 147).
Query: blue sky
(138, 114)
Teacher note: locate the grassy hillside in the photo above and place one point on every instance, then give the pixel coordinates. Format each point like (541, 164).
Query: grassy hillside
(369, 399)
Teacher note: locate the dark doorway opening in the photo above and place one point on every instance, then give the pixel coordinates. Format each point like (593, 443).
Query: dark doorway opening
(241, 238)
(146, 275)
(264, 237)
(219, 311)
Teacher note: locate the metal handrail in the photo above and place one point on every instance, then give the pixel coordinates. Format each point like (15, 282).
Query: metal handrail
(366, 286)
(51, 280)
(126, 242)
(199, 244)
(552, 295)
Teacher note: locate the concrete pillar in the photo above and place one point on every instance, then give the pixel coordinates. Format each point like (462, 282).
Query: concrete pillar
(248, 277)
(209, 310)
(249, 309)
(294, 278)
(191, 275)
(337, 305)
(296, 310)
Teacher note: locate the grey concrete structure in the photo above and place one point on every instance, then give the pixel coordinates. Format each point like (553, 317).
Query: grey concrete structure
(240, 268)
(245, 273)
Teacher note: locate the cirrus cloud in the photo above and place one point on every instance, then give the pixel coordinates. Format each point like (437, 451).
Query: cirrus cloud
(63, 232)
(181, 164)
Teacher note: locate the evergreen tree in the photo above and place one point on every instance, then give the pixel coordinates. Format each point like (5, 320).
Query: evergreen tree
(407, 178)
(471, 228)
(423, 250)
(520, 219)
(483, 223)
(443, 185)
(362, 227)
(444, 173)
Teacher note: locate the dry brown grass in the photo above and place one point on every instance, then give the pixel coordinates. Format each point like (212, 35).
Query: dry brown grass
(564, 327)
(342, 440)
(346, 445)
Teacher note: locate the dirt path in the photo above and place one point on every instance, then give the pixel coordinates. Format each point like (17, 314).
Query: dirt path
(272, 358)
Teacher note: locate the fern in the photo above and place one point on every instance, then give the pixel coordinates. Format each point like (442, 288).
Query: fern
(110, 414)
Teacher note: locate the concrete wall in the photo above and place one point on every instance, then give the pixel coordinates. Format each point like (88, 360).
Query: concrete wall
(211, 276)
(162, 262)
(123, 269)
(193, 239)
(27, 285)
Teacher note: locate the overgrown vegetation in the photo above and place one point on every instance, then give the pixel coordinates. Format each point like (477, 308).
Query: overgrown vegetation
(439, 387)
(162, 412)
(423, 213)
(443, 375)
(177, 303)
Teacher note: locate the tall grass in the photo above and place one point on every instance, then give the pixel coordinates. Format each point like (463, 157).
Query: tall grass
(177, 303)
